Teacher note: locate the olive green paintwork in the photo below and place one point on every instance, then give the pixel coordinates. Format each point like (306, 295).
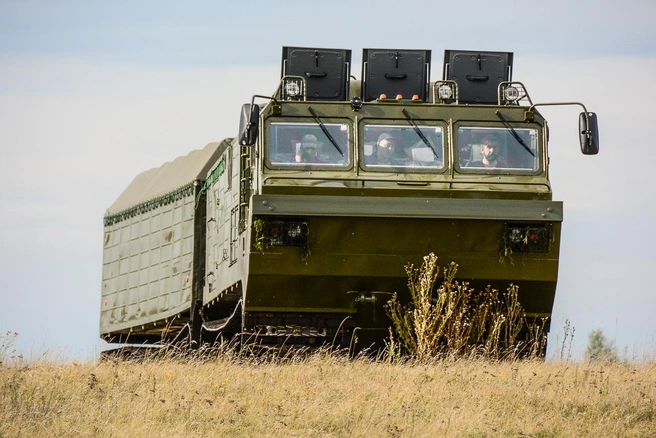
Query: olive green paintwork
(151, 262)
(364, 227)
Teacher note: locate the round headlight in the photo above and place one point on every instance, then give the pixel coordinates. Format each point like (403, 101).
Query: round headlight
(445, 91)
(511, 94)
(292, 89)
(516, 236)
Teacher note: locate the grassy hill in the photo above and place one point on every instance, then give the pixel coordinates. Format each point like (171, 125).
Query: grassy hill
(326, 395)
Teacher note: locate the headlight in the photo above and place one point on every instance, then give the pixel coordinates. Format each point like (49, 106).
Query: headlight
(528, 237)
(293, 88)
(445, 92)
(284, 232)
(511, 93)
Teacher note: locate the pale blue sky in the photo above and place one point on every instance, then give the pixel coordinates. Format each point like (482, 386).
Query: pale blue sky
(93, 93)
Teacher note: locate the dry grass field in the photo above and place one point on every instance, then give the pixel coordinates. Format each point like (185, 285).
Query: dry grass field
(468, 392)
(326, 395)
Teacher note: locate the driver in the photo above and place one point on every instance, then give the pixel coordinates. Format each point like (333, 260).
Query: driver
(490, 147)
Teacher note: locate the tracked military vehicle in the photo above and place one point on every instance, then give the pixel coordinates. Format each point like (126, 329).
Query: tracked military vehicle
(297, 230)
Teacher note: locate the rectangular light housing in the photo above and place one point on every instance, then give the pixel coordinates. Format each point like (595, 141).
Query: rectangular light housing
(528, 237)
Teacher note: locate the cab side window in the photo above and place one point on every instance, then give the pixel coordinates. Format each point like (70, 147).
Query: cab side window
(486, 148)
(305, 144)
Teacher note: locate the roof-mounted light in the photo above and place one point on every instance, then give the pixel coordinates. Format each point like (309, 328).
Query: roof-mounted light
(356, 103)
(293, 88)
(445, 92)
(512, 93)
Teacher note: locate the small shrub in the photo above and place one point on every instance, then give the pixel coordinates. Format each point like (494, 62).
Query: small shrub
(454, 320)
(599, 348)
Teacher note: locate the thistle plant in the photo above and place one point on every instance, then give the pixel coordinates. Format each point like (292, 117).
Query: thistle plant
(454, 320)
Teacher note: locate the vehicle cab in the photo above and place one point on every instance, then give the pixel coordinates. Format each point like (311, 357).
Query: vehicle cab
(344, 182)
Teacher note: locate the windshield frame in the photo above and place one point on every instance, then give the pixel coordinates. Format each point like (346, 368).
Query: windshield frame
(279, 132)
(515, 159)
(408, 142)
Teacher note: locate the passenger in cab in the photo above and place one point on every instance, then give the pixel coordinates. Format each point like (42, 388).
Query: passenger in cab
(490, 148)
(308, 151)
(383, 155)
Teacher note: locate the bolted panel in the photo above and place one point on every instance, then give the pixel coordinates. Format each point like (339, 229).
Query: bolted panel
(393, 72)
(478, 74)
(326, 71)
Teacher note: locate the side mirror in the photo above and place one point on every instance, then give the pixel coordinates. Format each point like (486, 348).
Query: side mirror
(248, 124)
(589, 133)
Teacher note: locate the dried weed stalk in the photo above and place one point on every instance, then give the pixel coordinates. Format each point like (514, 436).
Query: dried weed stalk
(455, 321)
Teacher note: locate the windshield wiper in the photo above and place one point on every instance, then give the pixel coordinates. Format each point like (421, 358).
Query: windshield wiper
(418, 131)
(325, 130)
(513, 132)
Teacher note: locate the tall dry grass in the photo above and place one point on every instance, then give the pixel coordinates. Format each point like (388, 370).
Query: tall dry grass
(451, 384)
(326, 394)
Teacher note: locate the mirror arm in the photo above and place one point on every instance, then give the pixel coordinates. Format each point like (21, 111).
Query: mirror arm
(529, 114)
(588, 138)
(277, 108)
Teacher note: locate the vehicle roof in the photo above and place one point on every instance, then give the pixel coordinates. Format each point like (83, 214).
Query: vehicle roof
(168, 177)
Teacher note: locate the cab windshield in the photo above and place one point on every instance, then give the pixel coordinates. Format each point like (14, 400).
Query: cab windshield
(485, 149)
(402, 146)
(306, 144)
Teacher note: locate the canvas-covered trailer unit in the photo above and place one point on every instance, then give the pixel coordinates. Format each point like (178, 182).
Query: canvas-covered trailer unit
(153, 252)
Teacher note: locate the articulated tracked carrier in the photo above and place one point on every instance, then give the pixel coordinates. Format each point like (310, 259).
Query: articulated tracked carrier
(297, 230)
